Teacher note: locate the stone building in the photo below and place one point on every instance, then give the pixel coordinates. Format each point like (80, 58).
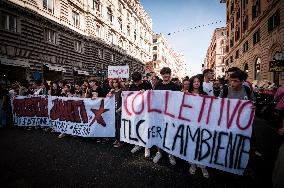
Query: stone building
(165, 56)
(255, 32)
(63, 39)
(215, 53)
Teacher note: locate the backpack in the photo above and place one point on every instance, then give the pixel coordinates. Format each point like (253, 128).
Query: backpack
(226, 90)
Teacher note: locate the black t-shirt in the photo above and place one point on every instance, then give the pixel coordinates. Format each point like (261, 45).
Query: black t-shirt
(78, 93)
(106, 89)
(148, 85)
(170, 86)
(216, 92)
(99, 91)
(63, 95)
(118, 99)
(142, 86)
(29, 92)
(55, 92)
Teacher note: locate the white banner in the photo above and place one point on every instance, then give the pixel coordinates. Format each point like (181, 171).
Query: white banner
(30, 111)
(70, 115)
(200, 129)
(83, 117)
(118, 71)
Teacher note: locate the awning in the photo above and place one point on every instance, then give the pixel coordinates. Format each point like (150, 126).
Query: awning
(14, 62)
(81, 72)
(55, 68)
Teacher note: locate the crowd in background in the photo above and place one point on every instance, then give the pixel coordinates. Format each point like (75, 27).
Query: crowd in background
(233, 86)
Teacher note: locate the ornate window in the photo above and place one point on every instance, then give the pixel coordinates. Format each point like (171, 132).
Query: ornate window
(257, 69)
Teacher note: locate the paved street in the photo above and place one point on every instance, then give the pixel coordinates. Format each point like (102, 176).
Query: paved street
(39, 159)
(267, 143)
(151, 69)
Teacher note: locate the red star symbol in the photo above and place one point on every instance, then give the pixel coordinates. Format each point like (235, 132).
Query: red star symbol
(98, 114)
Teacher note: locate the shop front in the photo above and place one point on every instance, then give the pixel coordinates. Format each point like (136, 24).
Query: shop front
(13, 70)
(52, 73)
(80, 75)
(276, 66)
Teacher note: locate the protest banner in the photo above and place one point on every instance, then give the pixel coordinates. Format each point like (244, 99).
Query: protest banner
(203, 130)
(30, 111)
(83, 117)
(118, 71)
(70, 115)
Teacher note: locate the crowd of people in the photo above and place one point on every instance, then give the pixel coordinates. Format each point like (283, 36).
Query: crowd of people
(233, 86)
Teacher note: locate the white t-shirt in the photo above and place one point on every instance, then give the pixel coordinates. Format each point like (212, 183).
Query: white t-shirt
(208, 88)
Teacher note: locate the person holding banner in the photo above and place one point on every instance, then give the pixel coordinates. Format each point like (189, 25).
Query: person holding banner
(116, 91)
(77, 90)
(66, 92)
(3, 106)
(278, 172)
(96, 90)
(236, 89)
(196, 87)
(54, 89)
(138, 85)
(166, 84)
(185, 85)
(154, 81)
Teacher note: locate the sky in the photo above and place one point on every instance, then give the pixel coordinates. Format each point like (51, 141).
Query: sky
(170, 16)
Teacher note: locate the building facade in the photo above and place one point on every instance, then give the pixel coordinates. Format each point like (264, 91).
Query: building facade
(165, 56)
(255, 33)
(215, 53)
(62, 38)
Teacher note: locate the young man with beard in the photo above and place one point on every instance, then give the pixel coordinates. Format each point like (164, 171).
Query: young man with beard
(208, 75)
(166, 84)
(216, 88)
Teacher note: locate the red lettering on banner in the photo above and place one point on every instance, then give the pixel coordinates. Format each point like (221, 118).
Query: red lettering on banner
(30, 107)
(166, 105)
(250, 118)
(142, 103)
(42, 107)
(19, 107)
(70, 114)
(202, 107)
(75, 111)
(209, 109)
(54, 112)
(185, 106)
(83, 112)
(149, 102)
(69, 111)
(125, 103)
(231, 117)
(221, 111)
(63, 111)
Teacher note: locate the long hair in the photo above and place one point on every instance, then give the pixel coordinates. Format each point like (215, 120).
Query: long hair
(117, 81)
(54, 92)
(200, 89)
(185, 80)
